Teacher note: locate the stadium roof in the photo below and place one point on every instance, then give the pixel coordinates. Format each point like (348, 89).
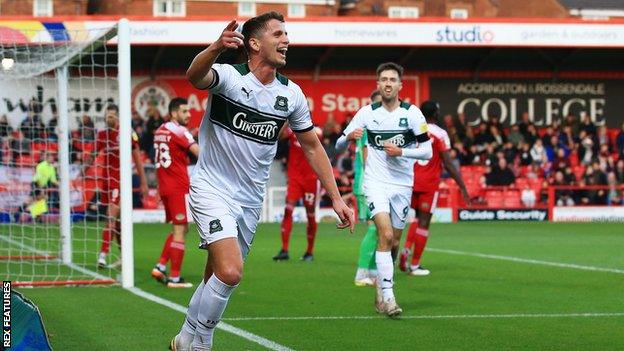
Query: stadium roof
(593, 4)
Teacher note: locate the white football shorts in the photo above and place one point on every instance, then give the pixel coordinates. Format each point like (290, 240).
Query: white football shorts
(217, 218)
(391, 199)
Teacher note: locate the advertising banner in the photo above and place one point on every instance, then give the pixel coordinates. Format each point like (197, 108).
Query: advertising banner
(336, 96)
(544, 100)
(351, 32)
(503, 215)
(589, 214)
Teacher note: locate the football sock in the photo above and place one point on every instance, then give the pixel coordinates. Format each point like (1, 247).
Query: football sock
(367, 248)
(176, 250)
(164, 255)
(214, 299)
(117, 233)
(311, 232)
(106, 239)
(385, 268)
(421, 241)
(190, 323)
(411, 235)
(287, 224)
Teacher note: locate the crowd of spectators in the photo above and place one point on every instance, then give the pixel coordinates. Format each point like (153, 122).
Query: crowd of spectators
(570, 152)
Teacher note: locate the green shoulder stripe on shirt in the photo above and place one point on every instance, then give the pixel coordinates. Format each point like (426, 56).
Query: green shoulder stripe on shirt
(405, 105)
(376, 105)
(242, 68)
(282, 79)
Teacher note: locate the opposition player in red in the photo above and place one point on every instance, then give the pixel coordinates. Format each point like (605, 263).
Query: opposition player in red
(302, 184)
(108, 144)
(172, 143)
(427, 175)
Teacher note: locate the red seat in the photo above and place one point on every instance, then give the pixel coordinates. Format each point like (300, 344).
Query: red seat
(27, 161)
(38, 146)
(512, 199)
(443, 199)
(522, 183)
(495, 198)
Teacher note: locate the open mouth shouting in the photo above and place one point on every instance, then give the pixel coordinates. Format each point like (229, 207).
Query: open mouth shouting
(282, 52)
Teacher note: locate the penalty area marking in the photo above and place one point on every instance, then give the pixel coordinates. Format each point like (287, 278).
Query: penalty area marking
(451, 316)
(271, 345)
(530, 261)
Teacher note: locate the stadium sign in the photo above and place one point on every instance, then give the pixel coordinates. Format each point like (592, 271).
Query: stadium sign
(350, 32)
(330, 97)
(502, 215)
(589, 214)
(545, 101)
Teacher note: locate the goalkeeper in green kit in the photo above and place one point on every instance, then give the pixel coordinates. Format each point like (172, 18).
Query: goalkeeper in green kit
(367, 269)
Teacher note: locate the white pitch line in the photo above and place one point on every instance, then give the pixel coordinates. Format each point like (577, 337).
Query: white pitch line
(459, 316)
(271, 345)
(526, 260)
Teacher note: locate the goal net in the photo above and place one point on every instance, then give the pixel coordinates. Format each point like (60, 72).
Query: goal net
(56, 83)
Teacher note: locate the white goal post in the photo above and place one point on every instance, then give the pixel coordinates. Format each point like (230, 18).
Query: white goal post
(50, 230)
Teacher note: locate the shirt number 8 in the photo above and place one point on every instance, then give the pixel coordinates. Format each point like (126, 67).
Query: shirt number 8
(163, 157)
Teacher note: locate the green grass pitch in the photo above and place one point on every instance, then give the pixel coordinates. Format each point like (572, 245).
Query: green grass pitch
(469, 302)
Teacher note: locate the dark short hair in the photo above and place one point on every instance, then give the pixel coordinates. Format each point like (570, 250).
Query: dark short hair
(112, 107)
(175, 104)
(374, 94)
(387, 66)
(430, 109)
(253, 26)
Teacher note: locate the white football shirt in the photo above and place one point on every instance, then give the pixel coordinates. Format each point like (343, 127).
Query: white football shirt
(405, 127)
(239, 132)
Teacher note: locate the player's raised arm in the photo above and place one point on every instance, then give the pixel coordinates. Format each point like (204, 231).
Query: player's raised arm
(317, 158)
(199, 72)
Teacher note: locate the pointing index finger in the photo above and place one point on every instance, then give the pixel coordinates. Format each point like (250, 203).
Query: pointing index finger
(232, 25)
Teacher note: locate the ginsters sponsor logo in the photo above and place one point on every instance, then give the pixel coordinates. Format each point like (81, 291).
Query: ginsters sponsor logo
(265, 130)
(398, 140)
(244, 121)
(377, 139)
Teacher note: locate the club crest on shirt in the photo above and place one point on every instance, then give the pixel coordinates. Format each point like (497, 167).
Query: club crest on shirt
(281, 103)
(215, 226)
(403, 122)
